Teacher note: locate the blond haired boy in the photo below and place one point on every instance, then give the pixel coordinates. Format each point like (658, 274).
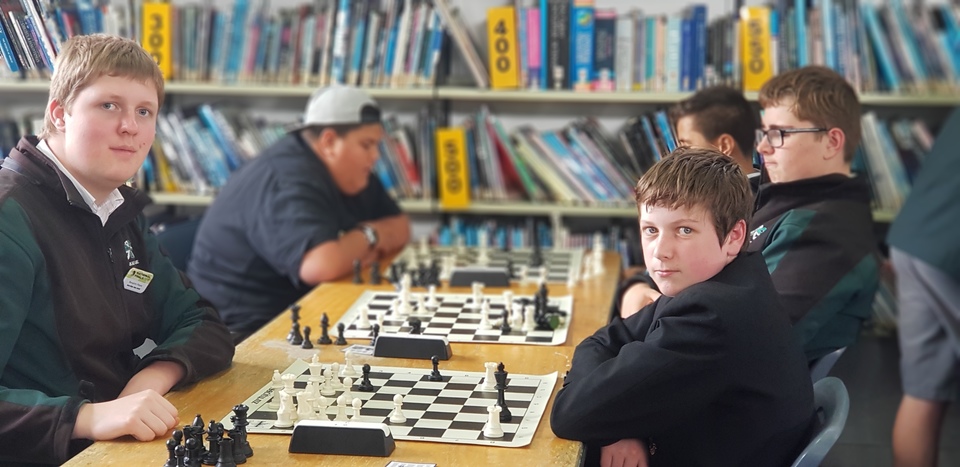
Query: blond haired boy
(82, 281)
(707, 374)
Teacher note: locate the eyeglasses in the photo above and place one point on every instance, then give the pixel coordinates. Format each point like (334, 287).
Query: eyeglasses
(775, 135)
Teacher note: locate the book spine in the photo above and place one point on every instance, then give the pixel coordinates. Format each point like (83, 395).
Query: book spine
(605, 51)
(624, 62)
(558, 44)
(582, 45)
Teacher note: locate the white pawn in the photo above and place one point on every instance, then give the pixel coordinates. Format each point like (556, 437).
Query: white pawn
(507, 299)
(424, 246)
(357, 404)
(529, 321)
(422, 306)
(522, 273)
(543, 276)
(492, 428)
(489, 382)
(335, 381)
(397, 415)
(432, 302)
(347, 384)
(286, 412)
(322, 404)
(341, 409)
(275, 386)
(327, 388)
(364, 321)
(348, 369)
(516, 315)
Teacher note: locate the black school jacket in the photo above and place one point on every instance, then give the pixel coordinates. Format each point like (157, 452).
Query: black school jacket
(711, 377)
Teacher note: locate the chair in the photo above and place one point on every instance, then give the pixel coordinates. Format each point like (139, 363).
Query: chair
(822, 366)
(833, 404)
(177, 240)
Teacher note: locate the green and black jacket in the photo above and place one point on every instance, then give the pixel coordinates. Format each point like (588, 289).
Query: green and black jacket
(68, 325)
(816, 236)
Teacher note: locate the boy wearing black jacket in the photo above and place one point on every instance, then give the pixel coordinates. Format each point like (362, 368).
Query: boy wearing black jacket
(709, 373)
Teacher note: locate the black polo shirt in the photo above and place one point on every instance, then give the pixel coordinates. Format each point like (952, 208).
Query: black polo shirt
(246, 258)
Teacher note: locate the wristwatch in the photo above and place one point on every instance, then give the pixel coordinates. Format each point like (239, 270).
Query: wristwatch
(371, 235)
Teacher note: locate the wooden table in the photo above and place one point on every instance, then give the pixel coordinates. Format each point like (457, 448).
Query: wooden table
(267, 350)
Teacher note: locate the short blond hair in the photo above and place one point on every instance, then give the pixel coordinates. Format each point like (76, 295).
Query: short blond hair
(820, 96)
(84, 59)
(691, 177)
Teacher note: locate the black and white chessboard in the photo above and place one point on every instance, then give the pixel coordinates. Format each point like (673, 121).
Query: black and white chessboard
(454, 318)
(450, 411)
(561, 263)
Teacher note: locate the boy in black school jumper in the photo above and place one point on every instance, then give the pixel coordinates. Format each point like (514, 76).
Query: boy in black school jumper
(82, 280)
(708, 374)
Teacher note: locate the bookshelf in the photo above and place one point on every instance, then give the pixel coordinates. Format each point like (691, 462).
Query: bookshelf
(461, 93)
(514, 208)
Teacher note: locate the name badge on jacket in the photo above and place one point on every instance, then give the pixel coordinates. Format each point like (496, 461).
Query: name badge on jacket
(137, 280)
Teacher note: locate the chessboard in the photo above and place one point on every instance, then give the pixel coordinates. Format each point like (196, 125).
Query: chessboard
(454, 319)
(563, 265)
(450, 411)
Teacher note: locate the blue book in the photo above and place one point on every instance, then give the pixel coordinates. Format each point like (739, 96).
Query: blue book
(686, 53)
(800, 18)
(238, 29)
(829, 34)
(8, 55)
(359, 46)
(881, 49)
(340, 39)
(472, 164)
(663, 124)
(387, 72)
(544, 58)
(436, 45)
(914, 62)
(651, 138)
(698, 74)
(581, 47)
(87, 14)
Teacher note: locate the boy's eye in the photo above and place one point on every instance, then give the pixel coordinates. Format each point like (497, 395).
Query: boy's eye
(686, 230)
(649, 230)
(108, 105)
(144, 112)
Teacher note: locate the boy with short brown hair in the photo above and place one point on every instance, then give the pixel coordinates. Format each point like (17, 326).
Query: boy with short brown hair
(82, 280)
(708, 374)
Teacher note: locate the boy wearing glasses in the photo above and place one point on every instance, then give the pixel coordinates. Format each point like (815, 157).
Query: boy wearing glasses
(813, 221)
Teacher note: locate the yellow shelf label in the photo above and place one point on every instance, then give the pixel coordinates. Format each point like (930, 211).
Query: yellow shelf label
(453, 172)
(158, 35)
(756, 53)
(502, 37)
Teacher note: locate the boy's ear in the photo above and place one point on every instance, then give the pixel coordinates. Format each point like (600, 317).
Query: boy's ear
(735, 239)
(57, 113)
(725, 144)
(835, 141)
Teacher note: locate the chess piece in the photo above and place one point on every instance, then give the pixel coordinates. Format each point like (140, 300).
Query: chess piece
(509, 269)
(376, 333)
(322, 404)
(485, 323)
(324, 326)
(505, 322)
(363, 321)
(357, 404)
(365, 384)
(286, 411)
(275, 385)
(492, 428)
(341, 409)
(415, 326)
(501, 377)
(307, 343)
(432, 302)
(348, 369)
(294, 337)
(397, 416)
(179, 455)
(347, 386)
(214, 434)
(341, 335)
(375, 273)
(238, 455)
(226, 458)
(172, 454)
(304, 406)
(357, 272)
(529, 321)
(295, 312)
(241, 422)
(489, 382)
(435, 374)
(192, 452)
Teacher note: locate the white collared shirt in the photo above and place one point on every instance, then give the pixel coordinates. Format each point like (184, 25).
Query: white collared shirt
(104, 209)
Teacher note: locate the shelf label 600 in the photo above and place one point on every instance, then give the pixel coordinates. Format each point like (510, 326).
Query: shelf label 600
(158, 35)
(452, 168)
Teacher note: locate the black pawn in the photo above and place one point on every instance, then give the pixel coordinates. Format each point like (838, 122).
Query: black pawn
(177, 436)
(226, 453)
(171, 453)
(510, 275)
(357, 272)
(306, 344)
(239, 457)
(501, 376)
(376, 333)
(415, 326)
(180, 453)
(435, 374)
(295, 312)
(324, 336)
(365, 384)
(394, 276)
(375, 273)
(341, 338)
(192, 457)
(505, 322)
(295, 338)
